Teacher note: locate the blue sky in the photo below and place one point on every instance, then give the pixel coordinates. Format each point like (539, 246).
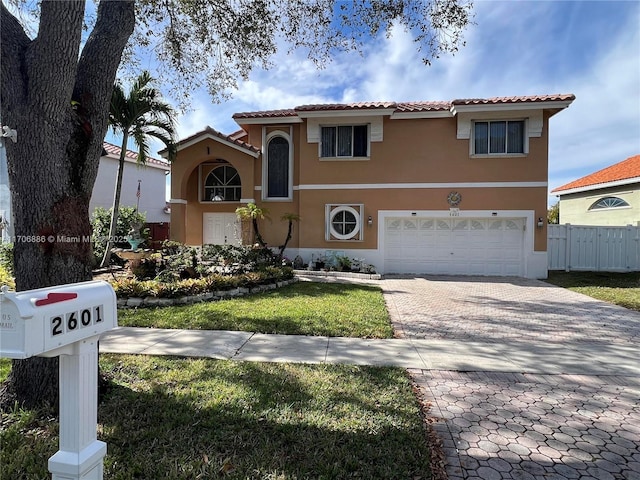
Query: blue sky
(588, 48)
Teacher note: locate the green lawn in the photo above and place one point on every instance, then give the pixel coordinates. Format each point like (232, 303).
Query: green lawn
(207, 419)
(619, 288)
(303, 308)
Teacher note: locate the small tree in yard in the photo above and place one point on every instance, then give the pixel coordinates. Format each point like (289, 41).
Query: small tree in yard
(253, 213)
(553, 214)
(56, 87)
(290, 218)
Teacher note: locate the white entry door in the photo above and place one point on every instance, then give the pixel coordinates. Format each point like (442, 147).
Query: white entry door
(220, 229)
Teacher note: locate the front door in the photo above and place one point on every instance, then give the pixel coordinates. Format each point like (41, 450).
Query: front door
(220, 229)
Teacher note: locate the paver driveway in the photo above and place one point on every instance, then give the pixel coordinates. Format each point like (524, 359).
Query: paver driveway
(550, 419)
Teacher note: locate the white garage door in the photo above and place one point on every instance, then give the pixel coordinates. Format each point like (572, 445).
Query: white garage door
(457, 246)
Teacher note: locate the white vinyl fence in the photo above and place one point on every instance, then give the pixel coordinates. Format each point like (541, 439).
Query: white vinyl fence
(597, 249)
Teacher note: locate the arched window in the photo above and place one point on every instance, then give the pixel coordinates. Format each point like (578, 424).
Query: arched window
(278, 168)
(222, 185)
(608, 202)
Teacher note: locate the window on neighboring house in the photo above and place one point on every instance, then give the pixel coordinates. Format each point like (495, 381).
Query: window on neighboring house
(499, 137)
(344, 222)
(222, 185)
(608, 202)
(344, 141)
(278, 168)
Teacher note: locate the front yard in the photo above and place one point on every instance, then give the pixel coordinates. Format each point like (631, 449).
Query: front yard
(174, 418)
(304, 308)
(618, 288)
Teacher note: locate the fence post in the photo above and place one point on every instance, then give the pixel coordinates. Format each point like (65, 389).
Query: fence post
(567, 246)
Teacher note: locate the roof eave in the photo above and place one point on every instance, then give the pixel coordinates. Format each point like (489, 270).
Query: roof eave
(554, 106)
(423, 114)
(597, 186)
(204, 135)
(266, 120)
(351, 112)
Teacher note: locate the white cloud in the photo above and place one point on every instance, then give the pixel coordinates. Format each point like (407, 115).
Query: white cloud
(591, 49)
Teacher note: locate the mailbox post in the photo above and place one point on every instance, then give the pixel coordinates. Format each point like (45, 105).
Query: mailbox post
(65, 321)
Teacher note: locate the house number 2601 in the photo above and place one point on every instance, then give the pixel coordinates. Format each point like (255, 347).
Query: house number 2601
(70, 322)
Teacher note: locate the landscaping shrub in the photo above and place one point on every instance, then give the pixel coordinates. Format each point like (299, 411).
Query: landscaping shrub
(6, 257)
(6, 278)
(101, 222)
(211, 283)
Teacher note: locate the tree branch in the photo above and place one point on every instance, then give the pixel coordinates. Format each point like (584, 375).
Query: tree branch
(51, 59)
(13, 43)
(95, 76)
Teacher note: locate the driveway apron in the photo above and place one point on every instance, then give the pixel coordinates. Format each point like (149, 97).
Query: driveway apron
(563, 402)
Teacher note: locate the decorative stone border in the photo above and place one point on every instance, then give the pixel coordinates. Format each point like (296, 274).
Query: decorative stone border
(136, 302)
(336, 274)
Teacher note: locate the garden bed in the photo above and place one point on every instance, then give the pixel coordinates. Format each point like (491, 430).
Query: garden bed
(156, 301)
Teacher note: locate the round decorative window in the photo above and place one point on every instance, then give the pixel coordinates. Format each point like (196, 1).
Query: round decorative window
(344, 223)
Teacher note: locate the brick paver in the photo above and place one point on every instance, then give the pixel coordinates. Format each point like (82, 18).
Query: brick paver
(505, 425)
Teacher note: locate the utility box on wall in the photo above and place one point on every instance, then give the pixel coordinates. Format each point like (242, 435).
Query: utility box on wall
(35, 322)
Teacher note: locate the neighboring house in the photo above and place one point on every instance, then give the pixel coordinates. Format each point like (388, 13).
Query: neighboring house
(608, 197)
(421, 187)
(151, 200)
(152, 178)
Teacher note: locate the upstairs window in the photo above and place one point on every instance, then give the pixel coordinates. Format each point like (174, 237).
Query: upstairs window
(608, 202)
(344, 141)
(278, 168)
(499, 137)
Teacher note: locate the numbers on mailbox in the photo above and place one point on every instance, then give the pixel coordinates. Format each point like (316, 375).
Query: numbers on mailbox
(73, 321)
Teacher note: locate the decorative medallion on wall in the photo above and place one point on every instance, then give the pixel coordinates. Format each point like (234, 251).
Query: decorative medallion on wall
(454, 199)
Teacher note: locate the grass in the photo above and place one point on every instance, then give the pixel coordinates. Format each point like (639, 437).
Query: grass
(618, 288)
(199, 418)
(304, 308)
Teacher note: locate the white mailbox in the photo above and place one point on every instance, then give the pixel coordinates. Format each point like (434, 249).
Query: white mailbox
(34, 322)
(65, 321)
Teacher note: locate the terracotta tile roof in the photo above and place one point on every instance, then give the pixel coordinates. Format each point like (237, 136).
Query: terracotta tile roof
(233, 138)
(422, 106)
(626, 169)
(345, 106)
(418, 106)
(559, 97)
(113, 150)
(266, 114)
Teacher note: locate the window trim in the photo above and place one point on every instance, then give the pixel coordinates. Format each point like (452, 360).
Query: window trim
(594, 208)
(265, 165)
(331, 210)
(342, 158)
(525, 138)
(202, 180)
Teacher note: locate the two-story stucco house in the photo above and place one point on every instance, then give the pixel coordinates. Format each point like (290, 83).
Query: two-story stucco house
(608, 197)
(455, 187)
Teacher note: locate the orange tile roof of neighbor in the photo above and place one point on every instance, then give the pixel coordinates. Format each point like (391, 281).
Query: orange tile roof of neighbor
(624, 170)
(418, 106)
(114, 150)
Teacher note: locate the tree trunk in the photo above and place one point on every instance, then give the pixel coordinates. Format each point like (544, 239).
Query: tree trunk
(116, 203)
(259, 238)
(59, 105)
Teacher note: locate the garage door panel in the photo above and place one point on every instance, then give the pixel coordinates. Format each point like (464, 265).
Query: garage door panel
(471, 246)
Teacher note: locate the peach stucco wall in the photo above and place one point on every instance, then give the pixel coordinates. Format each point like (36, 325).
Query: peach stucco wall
(413, 151)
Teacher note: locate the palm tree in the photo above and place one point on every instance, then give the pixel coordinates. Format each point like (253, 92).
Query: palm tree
(254, 213)
(140, 114)
(288, 217)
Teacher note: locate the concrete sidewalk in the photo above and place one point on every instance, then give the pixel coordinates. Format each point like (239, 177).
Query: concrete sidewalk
(437, 354)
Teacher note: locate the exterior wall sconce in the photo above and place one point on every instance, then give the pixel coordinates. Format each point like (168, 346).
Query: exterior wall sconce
(540, 222)
(370, 220)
